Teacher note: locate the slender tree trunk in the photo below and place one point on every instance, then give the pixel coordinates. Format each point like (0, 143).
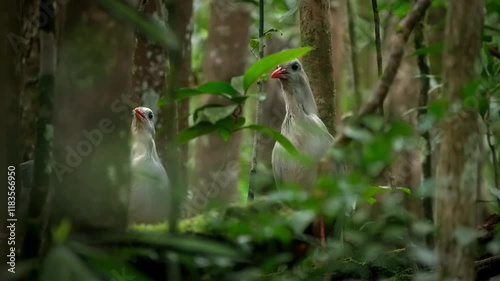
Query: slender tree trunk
(457, 170)
(358, 97)
(184, 33)
(38, 212)
(315, 32)
(273, 113)
(228, 35)
(338, 24)
(92, 122)
(404, 96)
(10, 64)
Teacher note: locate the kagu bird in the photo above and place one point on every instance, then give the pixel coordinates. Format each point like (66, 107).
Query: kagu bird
(150, 191)
(303, 128)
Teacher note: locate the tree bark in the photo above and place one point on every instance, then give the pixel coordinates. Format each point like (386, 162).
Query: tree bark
(273, 113)
(184, 32)
(38, 213)
(338, 24)
(402, 97)
(227, 50)
(315, 32)
(10, 63)
(149, 65)
(92, 121)
(457, 170)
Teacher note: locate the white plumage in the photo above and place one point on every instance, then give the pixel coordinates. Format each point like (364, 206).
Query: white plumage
(150, 184)
(301, 126)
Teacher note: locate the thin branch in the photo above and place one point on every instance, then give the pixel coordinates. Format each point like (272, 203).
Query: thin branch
(494, 51)
(354, 54)
(400, 38)
(178, 186)
(487, 268)
(492, 147)
(376, 20)
(424, 69)
(258, 110)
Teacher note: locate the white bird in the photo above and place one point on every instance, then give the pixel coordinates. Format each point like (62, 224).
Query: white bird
(150, 191)
(302, 127)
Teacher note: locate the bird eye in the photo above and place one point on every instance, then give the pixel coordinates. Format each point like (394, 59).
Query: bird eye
(150, 115)
(295, 66)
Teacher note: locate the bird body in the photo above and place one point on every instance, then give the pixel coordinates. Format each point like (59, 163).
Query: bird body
(301, 126)
(150, 191)
(305, 130)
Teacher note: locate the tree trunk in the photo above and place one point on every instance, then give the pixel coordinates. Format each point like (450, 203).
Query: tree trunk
(38, 213)
(338, 24)
(149, 64)
(92, 122)
(404, 96)
(10, 63)
(184, 33)
(457, 170)
(30, 70)
(228, 36)
(315, 32)
(273, 113)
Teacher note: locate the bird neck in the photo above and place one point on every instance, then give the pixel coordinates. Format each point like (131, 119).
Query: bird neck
(299, 99)
(144, 145)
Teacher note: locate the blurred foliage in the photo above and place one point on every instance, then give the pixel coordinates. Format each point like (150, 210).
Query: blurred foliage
(270, 239)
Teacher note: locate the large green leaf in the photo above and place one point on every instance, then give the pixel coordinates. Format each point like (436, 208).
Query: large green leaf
(268, 63)
(281, 139)
(212, 87)
(197, 130)
(63, 264)
(152, 29)
(179, 243)
(108, 265)
(213, 113)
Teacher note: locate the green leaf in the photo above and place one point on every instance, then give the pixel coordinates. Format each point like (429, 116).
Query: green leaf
(62, 264)
(438, 107)
(431, 49)
(151, 28)
(254, 43)
(270, 31)
(281, 139)
(212, 87)
(214, 113)
(179, 243)
(109, 265)
(61, 233)
(270, 62)
(195, 131)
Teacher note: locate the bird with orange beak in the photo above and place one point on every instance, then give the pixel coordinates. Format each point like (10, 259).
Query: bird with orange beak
(148, 203)
(303, 127)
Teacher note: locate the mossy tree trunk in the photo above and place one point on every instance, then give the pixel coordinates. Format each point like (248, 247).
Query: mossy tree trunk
(10, 63)
(318, 64)
(38, 214)
(92, 122)
(457, 170)
(226, 53)
(338, 25)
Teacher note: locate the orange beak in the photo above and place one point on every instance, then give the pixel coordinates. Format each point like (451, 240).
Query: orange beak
(278, 72)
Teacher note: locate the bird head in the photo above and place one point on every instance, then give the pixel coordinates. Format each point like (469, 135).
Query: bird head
(143, 123)
(289, 72)
(295, 85)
